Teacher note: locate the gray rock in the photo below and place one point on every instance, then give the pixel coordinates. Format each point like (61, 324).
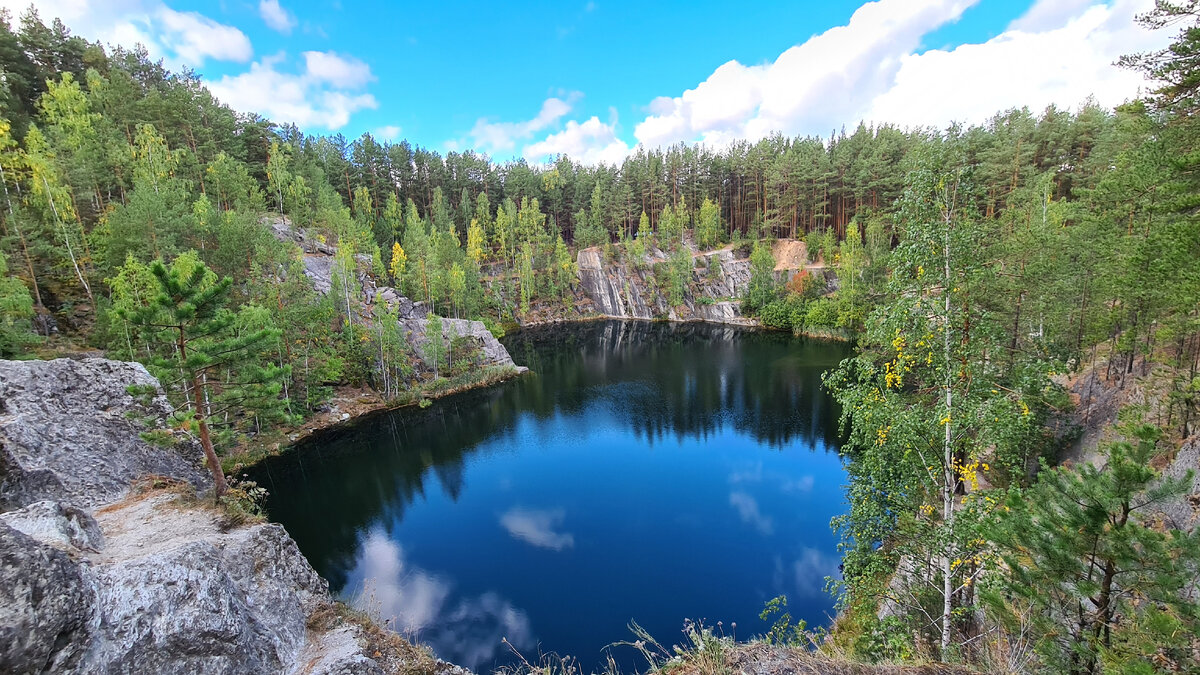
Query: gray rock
(64, 527)
(281, 227)
(232, 604)
(621, 290)
(67, 433)
(491, 352)
(1184, 512)
(318, 267)
(150, 584)
(46, 607)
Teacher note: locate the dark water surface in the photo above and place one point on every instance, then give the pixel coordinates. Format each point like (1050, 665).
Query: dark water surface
(644, 471)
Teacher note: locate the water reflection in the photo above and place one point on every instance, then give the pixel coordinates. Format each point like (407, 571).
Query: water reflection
(643, 471)
(415, 603)
(537, 527)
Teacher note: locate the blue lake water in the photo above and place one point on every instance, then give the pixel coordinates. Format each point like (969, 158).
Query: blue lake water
(643, 472)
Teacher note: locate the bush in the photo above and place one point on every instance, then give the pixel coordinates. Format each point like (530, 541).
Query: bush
(822, 312)
(784, 313)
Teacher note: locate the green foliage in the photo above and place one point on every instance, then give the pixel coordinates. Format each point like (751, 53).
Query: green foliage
(1081, 547)
(16, 314)
(709, 228)
(782, 630)
(762, 288)
(679, 276)
(194, 343)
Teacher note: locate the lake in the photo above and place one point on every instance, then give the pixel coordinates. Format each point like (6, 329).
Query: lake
(644, 472)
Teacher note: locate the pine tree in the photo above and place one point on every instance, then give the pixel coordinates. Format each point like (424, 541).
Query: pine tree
(1081, 547)
(191, 328)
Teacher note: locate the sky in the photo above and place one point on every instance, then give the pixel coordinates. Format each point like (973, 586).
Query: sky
(594, 79)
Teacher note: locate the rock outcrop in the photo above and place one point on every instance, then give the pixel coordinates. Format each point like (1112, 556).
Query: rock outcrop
(69, 431)
(319, 268)
(156, 580)
(628, 289)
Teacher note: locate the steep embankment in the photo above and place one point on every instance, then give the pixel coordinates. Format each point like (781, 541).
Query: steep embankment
(319, 267)
(1099, 394)
(152, 580)
(629, 288)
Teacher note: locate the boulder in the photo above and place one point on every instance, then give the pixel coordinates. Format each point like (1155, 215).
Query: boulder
(46, 607)
(70, 432)
(67, 528)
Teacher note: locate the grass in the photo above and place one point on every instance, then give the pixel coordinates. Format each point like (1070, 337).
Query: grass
(391, 651)
(239, 506)
(710, 650)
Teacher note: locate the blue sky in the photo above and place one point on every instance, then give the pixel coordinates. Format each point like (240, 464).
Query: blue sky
(596, 78)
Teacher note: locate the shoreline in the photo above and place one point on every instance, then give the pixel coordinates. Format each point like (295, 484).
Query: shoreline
(279, 442)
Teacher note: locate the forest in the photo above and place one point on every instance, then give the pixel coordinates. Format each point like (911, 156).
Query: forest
(976, 267)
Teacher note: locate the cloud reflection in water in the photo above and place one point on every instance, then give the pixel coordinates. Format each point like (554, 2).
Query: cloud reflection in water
(419, 605)
(537, 527)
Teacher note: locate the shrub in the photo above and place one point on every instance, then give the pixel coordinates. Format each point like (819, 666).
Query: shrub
(821, 312)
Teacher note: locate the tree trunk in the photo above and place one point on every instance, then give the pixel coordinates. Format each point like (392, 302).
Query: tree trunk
(949, 478)
(210, 455)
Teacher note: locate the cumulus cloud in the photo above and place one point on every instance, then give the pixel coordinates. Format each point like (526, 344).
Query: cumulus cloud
(194, 37)
(389, 132)
(815, 84)
(747, 509)
(314, 97)
(592, 142)
(1059, 52)
(179, 38)
(323, 90)
(276, 17)
(537, 527)
(492, 136)
(337, 69)
(466, 630)
(1045, 58)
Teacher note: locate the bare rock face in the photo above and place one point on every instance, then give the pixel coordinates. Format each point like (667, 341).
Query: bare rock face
(1184, 512)
(626, 291)
(57, 525)
(204, 602)
(318, 267)
(46, 603)
(155, 582)
(491, 352)
(69, 431)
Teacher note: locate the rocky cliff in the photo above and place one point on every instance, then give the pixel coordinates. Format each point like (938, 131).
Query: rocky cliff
(623, 287)
(96, 577)
(318, 266)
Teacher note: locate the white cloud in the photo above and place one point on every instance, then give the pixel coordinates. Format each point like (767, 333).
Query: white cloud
(194, 37)
(503, 136)
(1049, 14)
(305, 99)
(1060, 52)
(416, 602)
(345, 72)
(67, 10)
(812, 86)
(389, 132)
(179, 38)
(323, 91)
(537, 527)
(592, 142)
(276, 17)
(747, 509)
(1035, 63)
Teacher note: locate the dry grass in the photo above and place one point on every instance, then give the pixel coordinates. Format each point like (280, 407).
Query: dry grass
(232, 510)
(392, 652)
